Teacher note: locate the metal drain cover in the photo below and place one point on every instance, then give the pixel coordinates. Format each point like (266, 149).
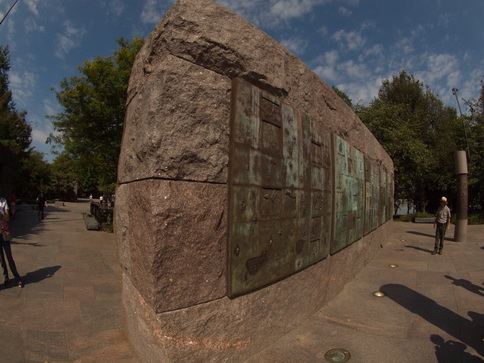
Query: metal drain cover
(337, 355)
(393, 265)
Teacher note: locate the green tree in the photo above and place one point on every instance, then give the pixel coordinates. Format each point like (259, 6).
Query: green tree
(35, 173)
(91, 124)
(475, 126)
(419, 133)
(15, 132)
(30, 170)
(343, 96)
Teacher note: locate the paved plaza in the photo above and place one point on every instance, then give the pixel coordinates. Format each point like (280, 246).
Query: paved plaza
(70, 308)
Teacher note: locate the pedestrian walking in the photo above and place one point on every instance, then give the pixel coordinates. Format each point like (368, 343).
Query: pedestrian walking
(5, 247)
(441, 225)
(41, 205)
(13, 204)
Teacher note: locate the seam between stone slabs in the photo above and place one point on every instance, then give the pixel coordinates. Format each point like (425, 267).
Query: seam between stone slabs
(170, 179)
(192, 306)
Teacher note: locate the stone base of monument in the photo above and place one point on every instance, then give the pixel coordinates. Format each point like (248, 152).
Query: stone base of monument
(232, 330)
(248, 192)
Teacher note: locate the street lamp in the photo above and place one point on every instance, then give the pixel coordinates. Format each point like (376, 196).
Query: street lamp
(454, 92)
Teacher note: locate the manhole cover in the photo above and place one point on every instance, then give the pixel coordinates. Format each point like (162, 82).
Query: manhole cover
(379, 294)
(337, 355)
(393, 265)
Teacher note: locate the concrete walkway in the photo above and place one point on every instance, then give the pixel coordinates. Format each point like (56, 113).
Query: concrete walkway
(433, 310)
(70, 308)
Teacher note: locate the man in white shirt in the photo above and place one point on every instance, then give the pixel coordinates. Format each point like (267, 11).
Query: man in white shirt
(442, 222)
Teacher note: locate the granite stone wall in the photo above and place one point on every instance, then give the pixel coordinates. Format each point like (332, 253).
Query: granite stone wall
(173, 220)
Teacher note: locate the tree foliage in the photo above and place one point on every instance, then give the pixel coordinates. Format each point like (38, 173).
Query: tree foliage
(15, 132)
(30, 170)
(420, 134)
(475, 127)
(343, 96)
(91, 124)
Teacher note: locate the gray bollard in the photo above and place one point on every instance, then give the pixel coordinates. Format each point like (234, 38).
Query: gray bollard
(460, 233)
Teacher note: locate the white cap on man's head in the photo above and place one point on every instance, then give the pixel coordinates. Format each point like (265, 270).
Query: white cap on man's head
(443, 199)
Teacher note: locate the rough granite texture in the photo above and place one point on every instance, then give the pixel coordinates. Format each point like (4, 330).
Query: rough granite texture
(171, 205)
(232, 330)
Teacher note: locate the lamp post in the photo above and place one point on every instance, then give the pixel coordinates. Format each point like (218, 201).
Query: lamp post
(460, 232)
(454, 92)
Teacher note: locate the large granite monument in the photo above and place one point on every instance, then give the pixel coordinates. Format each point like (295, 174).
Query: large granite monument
(249, 193)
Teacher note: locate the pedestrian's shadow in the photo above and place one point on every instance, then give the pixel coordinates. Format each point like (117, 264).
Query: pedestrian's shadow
(451, 351)
(33, 244)
(453, 324)
(40, 274)
(429, 235)
(466, 284)
(419, 249)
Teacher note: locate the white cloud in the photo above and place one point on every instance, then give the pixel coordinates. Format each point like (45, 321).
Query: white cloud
(344, 11)
(361, 92)
(32, 5)
(51, 107)
(113, 7)
(327, 69)
(31, 26)
(375, 50)
(405, 45)
(69, 40)
(367, 24)
(153, 10)
(353, 70)
(438, 67)
(323, 31)
(22, 85)
(40, 136)
(287, 9)
(350, 40)
(295, 44)
(444, 19)
(271, 13)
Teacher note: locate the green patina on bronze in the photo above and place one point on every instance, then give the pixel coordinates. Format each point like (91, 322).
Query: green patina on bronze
(296, 191)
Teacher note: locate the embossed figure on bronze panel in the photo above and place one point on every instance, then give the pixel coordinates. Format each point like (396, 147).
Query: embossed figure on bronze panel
(282, 170)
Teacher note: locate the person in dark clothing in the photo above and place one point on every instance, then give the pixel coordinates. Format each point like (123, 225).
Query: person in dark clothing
(5, 248)
(41, 205)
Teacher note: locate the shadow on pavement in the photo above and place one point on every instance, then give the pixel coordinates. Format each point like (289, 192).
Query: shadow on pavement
(33, 244)
(36, 276)
(40, 274)
(443, 318)
(450, 351)
(429, 235)
(466, 284)
(420, 249)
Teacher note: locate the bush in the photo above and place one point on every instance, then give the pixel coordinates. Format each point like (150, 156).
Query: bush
(411, 217)
(475, 218)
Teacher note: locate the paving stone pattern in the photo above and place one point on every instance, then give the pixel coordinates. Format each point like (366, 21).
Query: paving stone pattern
(70, 308)
(433, 311)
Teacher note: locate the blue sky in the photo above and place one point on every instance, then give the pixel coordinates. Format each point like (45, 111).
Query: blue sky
(352, 44)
